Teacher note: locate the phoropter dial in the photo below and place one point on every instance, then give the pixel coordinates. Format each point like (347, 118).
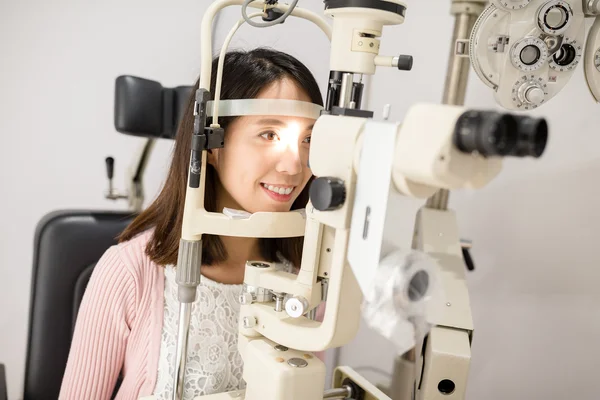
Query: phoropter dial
(597, 60)
(529, 54)
(554, 17)
(529, 93)
(567, 57)
(511, 4)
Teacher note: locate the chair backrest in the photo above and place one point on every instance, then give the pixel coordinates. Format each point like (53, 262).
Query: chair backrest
(146, 108)
(67, 245)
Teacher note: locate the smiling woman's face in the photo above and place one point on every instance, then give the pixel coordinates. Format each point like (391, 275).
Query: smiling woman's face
(264, 164)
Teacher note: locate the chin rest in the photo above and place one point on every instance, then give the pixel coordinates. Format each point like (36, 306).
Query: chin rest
(145, 108)
(67, 246)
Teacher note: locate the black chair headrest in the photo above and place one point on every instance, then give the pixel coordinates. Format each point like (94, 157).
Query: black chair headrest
(145, 108)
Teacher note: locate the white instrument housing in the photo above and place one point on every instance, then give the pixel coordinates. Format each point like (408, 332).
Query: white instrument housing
(592, 60)
(528, 50)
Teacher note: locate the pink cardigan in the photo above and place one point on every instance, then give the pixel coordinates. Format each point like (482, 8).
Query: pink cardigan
(119, 325)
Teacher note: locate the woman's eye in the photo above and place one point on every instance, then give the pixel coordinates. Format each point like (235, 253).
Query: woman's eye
(270, 136)
(306, 140)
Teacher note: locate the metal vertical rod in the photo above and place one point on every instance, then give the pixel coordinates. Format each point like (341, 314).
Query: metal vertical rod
(185, 313)
(136, 189)
(455, 87)
(188, 276)
(346, 89)
(457, 73)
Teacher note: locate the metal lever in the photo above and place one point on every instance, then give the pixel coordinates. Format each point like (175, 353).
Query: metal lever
(466, 247)
(110, 164)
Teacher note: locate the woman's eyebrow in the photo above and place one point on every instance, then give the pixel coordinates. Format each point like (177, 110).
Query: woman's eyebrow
(270, 121)
(278, 122)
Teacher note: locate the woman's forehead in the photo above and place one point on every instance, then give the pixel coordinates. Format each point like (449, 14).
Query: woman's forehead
(278, 121)
(285, 88)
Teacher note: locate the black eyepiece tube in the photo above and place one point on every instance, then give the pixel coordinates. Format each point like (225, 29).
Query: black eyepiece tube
(533, 137)
(488, 133)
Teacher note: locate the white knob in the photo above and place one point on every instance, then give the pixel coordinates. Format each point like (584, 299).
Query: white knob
(535, 95)
(594, 6)
(246, 298)
(386, 111)
(531, 93)
(249, 322)
(296, 306)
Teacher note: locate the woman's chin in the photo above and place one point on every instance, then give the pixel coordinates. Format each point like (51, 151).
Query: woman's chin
(274, 209)
(271, 208)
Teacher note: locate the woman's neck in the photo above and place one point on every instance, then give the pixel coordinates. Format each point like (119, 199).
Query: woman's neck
(239, 250)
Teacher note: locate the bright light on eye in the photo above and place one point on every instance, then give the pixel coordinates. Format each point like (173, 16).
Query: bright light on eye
(289, 136)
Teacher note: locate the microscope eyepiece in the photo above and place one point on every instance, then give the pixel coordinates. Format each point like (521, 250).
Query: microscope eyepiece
(489, 133)
(533, 137)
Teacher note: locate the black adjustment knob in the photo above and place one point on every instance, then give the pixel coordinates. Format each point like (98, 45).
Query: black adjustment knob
(110, 167)
(405, 63)
(327, 194)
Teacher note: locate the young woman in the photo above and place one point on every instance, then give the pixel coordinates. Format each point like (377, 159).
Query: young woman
(125, 337)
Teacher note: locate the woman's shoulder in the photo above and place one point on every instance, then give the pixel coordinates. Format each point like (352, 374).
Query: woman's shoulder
(131, 254)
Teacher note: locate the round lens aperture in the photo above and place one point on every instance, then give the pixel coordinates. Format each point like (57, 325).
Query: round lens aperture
(530, 55)
(488, 133)
(565, 55)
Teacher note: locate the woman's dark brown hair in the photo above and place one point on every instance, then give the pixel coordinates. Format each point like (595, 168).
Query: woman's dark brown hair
(245, 74)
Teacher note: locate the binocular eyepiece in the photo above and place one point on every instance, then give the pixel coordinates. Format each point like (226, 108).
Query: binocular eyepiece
(491, 133)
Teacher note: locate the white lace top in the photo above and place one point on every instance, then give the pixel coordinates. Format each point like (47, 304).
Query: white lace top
(214, 364)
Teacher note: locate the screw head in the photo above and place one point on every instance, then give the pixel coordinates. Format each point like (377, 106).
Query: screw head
(249, 322)
(297, 362)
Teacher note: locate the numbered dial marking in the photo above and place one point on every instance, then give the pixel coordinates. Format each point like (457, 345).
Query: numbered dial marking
(479, 44)
(555, 17)
(597, 60)
(529, 92)
(567, 57)
(512, 4)
(529, 54)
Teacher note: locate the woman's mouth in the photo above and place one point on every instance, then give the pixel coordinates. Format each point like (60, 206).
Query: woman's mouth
(278, 193)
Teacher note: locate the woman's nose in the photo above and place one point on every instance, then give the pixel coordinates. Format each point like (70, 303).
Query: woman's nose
(290, 160)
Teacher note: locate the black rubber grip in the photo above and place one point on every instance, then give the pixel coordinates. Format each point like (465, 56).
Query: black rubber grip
(110, 167)
(468, 259)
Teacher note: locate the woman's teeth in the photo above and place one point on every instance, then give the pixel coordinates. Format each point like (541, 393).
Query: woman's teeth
(279, 190)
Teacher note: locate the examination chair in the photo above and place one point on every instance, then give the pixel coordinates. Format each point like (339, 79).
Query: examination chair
(68, 243)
